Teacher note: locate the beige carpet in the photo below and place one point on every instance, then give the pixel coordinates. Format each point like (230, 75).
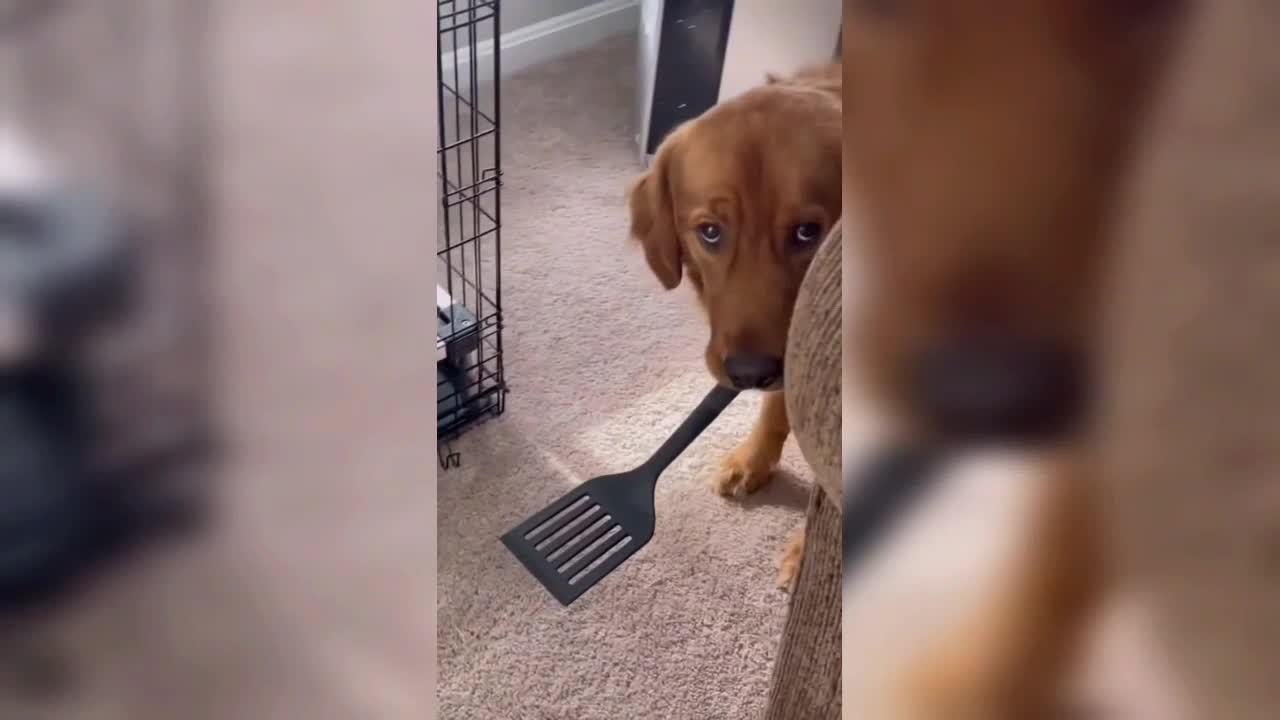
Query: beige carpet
(602, 365)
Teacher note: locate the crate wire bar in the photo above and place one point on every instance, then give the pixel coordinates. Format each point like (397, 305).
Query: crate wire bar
(470, 380)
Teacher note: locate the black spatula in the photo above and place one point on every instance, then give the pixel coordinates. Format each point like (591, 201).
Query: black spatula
(574, 542)
(880, 491)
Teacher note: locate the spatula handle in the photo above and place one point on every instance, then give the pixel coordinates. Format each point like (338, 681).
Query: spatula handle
(707, 411)
(878, 492)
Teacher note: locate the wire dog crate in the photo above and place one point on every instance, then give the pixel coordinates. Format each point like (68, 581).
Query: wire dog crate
(116, 94)
(470, 381)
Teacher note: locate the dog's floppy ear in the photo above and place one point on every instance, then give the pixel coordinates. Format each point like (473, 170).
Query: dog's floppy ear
(653, 219)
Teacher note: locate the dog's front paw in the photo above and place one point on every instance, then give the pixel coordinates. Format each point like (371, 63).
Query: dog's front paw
(930, 693)
(789, 568)
(741, 473)
(960, 682)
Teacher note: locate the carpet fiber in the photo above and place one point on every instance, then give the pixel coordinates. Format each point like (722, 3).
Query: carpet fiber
(602, 365)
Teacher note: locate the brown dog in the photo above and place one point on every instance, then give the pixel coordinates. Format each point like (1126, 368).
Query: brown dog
(738, 200)
(986, 149)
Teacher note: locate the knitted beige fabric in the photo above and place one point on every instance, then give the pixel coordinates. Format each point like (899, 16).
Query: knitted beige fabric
(806, 677)
(814, 366)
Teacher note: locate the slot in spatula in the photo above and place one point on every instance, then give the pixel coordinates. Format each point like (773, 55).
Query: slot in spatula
(576, 541)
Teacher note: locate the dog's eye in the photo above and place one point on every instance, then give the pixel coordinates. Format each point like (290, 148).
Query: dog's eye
(806, 233)
(709, 234)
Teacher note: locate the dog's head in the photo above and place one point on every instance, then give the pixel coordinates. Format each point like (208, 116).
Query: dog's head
(738, 200)
(986, 143)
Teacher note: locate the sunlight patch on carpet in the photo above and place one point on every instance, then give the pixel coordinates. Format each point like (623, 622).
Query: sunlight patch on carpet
(627, 436)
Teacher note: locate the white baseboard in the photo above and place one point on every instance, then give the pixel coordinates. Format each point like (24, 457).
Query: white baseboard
(547, 40)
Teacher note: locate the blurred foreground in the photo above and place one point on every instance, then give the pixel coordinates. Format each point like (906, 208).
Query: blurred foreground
(294, 198)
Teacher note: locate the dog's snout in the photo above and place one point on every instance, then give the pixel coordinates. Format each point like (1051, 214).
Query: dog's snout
(999, 388)
(752, 371)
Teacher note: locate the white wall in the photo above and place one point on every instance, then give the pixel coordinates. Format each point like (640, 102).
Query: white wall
(522, 13)
(777, 36)
(536, 31)
(519, 14)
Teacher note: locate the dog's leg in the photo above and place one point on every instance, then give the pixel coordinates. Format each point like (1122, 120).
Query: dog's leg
(750, 466)
(789, 568)
(1009, 662)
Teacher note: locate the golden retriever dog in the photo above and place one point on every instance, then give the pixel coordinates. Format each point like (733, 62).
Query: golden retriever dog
(986, 147)
(736, 201)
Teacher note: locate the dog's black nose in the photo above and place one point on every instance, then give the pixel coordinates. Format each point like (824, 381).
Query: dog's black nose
(752, 371)
(999, 388)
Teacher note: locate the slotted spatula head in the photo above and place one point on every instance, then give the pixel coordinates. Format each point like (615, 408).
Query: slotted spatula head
(576, 541)
(583, 536)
